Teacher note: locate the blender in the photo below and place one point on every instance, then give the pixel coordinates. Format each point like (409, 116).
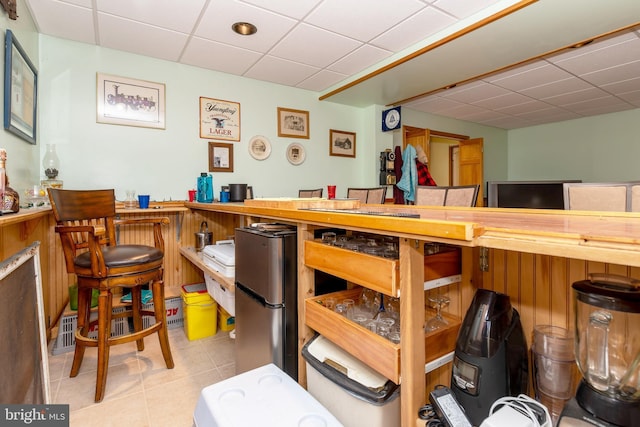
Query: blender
(607, 350)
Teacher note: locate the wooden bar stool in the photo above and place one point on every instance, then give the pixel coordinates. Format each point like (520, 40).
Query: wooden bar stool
(87, 227)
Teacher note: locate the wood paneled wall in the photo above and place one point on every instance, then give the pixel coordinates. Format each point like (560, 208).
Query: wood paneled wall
(539, 287)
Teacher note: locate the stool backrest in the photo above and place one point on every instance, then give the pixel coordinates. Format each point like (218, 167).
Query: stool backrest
(94, 209)
(310, 193)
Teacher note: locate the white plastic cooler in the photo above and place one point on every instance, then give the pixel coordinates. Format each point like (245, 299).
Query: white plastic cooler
(264, 396)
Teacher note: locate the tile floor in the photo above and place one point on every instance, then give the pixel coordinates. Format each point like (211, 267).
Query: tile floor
(141, 391)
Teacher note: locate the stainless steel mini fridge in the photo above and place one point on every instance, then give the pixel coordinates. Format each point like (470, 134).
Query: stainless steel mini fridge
(266, 318)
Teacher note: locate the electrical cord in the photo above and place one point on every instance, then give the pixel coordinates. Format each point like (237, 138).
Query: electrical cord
(429, 414)
(530, 408)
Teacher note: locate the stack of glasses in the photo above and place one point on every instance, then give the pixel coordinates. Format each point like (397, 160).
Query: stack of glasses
(374, 311)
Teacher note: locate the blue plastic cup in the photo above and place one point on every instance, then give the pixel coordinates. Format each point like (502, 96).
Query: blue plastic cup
(143, 201)
(224, 196)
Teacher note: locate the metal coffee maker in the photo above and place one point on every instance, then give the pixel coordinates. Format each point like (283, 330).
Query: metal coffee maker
(607, 347)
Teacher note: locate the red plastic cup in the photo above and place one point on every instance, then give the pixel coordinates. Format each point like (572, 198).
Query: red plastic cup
(192, 195)
(331, 191)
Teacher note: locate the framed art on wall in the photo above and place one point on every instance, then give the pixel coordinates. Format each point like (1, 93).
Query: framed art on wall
(296, 154)
(342, 143)
(220, 157)
(20, 91)
(293, 123)
(219, 119)
(130, 102)
(259, 147)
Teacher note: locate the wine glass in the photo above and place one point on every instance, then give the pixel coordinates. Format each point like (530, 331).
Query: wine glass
(437, 321)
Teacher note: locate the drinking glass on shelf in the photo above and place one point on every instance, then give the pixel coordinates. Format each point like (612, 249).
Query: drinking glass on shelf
(438, 321)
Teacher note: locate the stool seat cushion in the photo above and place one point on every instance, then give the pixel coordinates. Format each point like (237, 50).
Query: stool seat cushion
(122, 256)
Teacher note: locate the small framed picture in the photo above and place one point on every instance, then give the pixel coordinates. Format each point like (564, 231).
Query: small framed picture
(259, 147)
(130, 102)
(219, 119)
(220, 157)
(342, 143)
(293, 123)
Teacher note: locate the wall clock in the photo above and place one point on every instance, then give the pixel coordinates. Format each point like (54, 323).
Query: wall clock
(391, 119)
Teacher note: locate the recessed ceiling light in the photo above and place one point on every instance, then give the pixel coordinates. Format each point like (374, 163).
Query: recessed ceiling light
(244, 28)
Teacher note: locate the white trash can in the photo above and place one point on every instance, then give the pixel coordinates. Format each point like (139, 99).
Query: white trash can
(352, 391)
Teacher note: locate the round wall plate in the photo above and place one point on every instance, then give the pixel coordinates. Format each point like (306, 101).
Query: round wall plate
(295, 153)
(259, 147)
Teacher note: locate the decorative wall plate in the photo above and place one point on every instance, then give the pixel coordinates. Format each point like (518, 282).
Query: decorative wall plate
(295, 153)
(259, 147)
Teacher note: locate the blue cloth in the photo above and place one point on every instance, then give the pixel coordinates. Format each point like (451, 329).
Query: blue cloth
(409, 174)
(146, 296)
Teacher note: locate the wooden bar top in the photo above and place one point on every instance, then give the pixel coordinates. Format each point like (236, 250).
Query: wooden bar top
(597, 236)
(25, 214)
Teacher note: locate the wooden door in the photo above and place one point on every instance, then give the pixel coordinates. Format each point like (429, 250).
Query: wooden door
(470, 165)
(470, 154)
(416, 137)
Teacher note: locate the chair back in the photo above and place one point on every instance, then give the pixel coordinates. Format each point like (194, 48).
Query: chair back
(457, 195)
(375, 195)
(310, 193)
(462, 195)
(428, 195)
(598, 196)
(94, 209)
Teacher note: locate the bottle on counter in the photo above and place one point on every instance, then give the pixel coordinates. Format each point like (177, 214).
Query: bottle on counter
(10, 198)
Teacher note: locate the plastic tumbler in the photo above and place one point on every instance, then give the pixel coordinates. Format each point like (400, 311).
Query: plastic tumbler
(143, 201)
(331, 191)
(224, 196)
(192, 195)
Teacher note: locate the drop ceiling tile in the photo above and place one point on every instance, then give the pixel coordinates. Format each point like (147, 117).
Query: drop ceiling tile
(524, 108)
(632, 98)
(143, 39)
(67, 21)
(602, 58)
(506, 122)
(556, 88)
(162, 13)
(614, 74)
(218, 56)
(277, 70)
(321, 79)
(541, 116)
(463, 8)
(610, 105)
(543, 74)
(584, 95)
(474, 92)
(416, 28)
(624, 86)
(505, 101)
(362, 21)
(313, 46)
(361, 58)
(220, 15)
(297, 9)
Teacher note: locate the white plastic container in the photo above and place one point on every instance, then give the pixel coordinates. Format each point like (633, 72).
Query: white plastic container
(264, 396)
(356, 394)
(222, 295)
(221, 257)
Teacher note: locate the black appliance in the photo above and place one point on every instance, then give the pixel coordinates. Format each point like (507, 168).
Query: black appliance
(266, 318)
(490, 360)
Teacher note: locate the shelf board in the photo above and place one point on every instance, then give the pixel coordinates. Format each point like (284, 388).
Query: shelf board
(195, 257)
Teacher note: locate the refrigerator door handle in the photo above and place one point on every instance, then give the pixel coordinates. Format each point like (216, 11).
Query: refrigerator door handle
(258, 298)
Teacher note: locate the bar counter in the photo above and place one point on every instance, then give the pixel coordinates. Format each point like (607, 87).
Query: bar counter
(594, 236)
(518, 238)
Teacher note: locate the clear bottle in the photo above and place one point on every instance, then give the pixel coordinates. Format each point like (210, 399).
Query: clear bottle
(130, 202)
